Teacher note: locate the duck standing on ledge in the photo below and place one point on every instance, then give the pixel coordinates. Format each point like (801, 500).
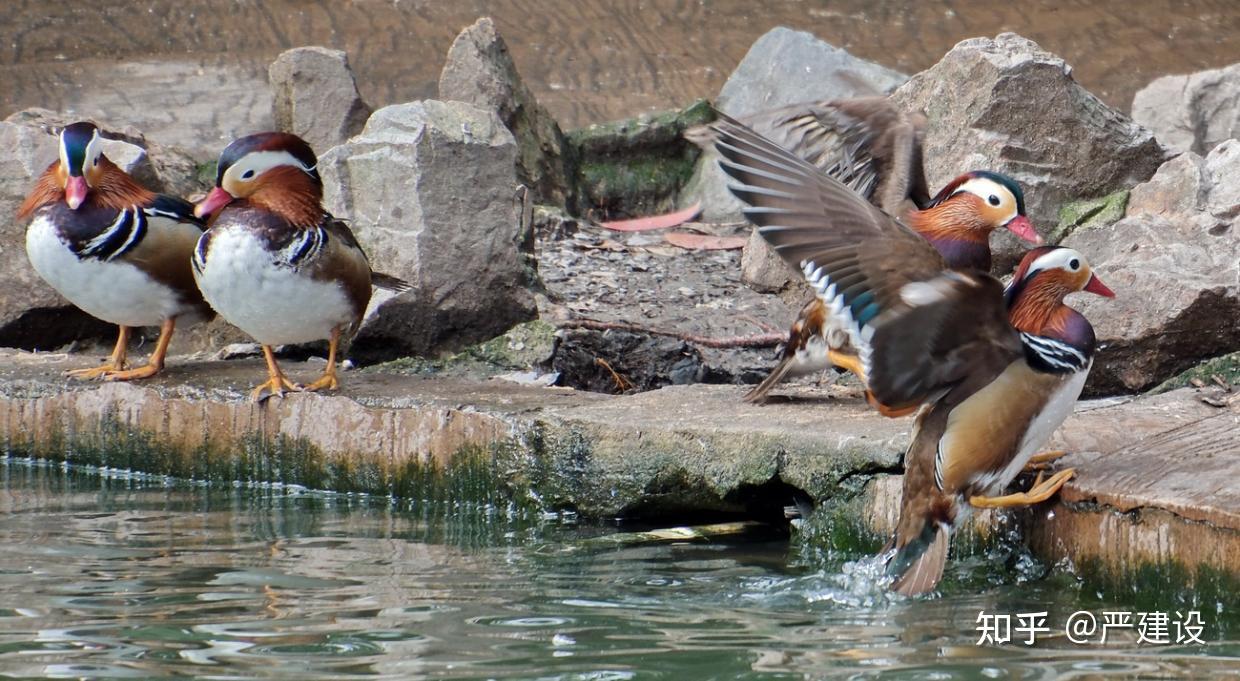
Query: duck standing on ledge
(993, 372)
(115, 249)
(273, 262)
(875, 149)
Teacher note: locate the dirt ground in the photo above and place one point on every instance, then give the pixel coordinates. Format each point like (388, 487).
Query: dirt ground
(591, 272)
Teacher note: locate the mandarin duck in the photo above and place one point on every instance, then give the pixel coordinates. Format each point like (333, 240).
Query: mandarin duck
(992, 371)
(115, 249)
(875, 149)
(274, 263)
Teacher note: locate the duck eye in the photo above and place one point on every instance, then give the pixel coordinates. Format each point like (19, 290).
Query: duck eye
(994, 200)
(1074, 264)
(247, 174)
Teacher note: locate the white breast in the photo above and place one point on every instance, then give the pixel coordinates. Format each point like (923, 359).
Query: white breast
(274, 303)
(115, 291)
(810, 359)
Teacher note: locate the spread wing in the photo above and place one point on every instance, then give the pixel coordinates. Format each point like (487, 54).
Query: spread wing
(918, 327)
(866, 143)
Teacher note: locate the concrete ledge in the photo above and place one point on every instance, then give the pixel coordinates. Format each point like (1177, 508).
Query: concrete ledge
(1156, 475)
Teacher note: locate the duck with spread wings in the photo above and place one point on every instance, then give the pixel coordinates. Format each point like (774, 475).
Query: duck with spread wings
(875, 149)
(992, 372)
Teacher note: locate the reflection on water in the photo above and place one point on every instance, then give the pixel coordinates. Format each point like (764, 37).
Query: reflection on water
(117, 578)
(587, 60)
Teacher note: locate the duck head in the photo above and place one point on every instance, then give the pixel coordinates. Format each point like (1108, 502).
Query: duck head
(274, 169)
(982, 201)
(82, 163)
(1046, 276)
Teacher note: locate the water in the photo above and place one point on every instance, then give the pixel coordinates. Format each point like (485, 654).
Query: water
(124, 578)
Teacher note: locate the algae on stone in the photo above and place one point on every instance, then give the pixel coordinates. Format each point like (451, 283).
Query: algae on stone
(525, 346)
(1089, 214)
(1226, 367)
(636, 166)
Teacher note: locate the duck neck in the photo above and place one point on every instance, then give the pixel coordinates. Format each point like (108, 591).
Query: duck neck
(958, 234)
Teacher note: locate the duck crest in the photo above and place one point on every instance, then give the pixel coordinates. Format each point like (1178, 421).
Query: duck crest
(115, 190)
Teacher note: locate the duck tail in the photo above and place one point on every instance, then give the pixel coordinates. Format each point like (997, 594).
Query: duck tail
(389, 282)
(918, 562)
(759, 393)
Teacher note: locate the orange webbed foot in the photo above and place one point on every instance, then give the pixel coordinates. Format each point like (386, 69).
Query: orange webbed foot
(95, 373)
(275, 386)
(1041, 491)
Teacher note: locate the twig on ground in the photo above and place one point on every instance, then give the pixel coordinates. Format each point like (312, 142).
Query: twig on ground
(762, 340)
(622, 384)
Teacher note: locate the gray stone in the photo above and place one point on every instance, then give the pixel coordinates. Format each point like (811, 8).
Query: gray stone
(637, 166)
(32, 314)
(1009, 106)
(1174, 263)
(786, 66)
(479, 70)
(315, 96)
(782, 67)
(428, 189)
(1193, 112)
(1180, 187)
(763, 270)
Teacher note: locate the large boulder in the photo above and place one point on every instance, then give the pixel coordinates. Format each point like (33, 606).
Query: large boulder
(1174, 263)
(428, 188)
(1009, 106)
(32, 315)
(785, 67)
(479, 70)
(1193, 112)
(782, 67)
(315, 97)
(638, 166)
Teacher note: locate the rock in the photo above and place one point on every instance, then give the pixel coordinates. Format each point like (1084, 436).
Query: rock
(315, 97)
(786, 66)
(1192, 112)
(636, 166)
(428, 190)
(782, 67)
(479, 70)
(1174, 263)
(1015, 109)
(763, 270)
(1179, 187)
(32, 315)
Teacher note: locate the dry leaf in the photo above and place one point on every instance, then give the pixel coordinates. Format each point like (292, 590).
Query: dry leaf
(704, 242)
(665, 221)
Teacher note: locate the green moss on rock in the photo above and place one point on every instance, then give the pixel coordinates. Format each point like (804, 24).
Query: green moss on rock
(636, 166)
(523, 347)
(1226, 367)
(1089, 214)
